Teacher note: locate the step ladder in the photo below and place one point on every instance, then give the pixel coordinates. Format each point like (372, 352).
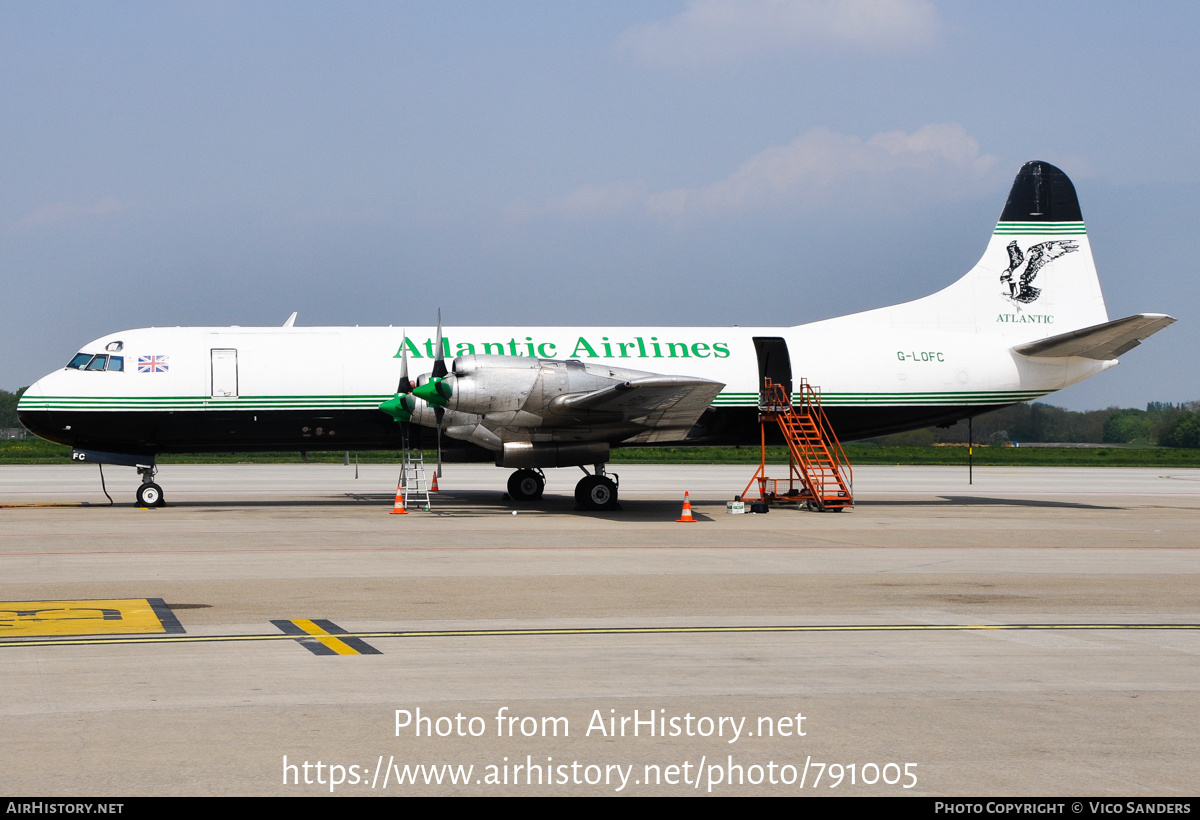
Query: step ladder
(413, 480)
(819, 476)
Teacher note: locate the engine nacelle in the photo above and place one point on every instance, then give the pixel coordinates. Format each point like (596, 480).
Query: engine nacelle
(492, 384)
(520, 454)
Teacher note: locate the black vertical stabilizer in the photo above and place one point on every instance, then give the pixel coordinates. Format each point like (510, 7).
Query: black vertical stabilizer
(1041, 193)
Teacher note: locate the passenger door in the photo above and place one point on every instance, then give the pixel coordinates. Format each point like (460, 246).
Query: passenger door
(224, 374)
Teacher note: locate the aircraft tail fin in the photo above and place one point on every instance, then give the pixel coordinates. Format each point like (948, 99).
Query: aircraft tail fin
(1048, 279)
(1037, 277)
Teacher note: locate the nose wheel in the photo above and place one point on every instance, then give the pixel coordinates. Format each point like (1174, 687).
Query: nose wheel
(526, 485)
(149, 494)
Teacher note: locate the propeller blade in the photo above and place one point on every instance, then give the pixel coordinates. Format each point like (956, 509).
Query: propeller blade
(439, 366)
(439, 413)
(400, 406)
(436, 390)
(405, 385)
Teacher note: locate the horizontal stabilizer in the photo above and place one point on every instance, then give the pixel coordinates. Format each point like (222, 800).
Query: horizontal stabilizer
(1100, 342)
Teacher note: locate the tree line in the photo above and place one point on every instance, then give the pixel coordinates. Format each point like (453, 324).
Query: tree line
(8, 408)
(1161, 423)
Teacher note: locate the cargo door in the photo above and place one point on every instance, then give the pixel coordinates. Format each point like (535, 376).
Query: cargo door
(774, 363)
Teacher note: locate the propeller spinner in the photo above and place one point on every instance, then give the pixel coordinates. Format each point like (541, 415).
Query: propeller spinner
(435, 392)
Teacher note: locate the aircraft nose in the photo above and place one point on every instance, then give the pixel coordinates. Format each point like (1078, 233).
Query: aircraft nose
(31, 409)
(31, 394)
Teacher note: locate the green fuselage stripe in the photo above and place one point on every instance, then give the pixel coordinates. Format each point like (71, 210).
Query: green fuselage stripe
(317, 403)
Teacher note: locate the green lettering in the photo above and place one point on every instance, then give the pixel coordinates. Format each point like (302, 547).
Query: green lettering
(412, 349)
(671, 347)
(488, 348)
(720, 350)
(465, 348)
(582, 344)
(699, 346)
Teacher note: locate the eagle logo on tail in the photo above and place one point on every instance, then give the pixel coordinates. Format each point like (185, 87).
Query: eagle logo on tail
(1020, 289)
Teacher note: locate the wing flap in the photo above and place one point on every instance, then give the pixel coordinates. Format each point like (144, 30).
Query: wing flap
(1101, 342)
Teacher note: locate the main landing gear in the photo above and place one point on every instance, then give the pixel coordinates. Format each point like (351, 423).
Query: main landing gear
(149, 494)
(526, 485)
(596, 492)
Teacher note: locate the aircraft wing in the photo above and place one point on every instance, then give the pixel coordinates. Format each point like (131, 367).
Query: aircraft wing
(667, 406)
(1101, 342)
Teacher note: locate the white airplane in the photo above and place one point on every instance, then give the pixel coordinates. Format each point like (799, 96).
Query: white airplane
(1027, 320)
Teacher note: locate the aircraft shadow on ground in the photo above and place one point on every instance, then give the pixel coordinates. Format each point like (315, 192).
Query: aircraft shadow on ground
(465, 504)
(981, 501)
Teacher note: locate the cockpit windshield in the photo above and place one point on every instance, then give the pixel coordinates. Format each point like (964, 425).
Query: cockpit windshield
(91, 361)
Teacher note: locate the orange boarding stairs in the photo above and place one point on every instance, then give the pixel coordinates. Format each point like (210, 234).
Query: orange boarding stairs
(817, 461)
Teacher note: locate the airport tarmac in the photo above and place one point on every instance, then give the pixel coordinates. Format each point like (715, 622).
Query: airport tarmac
(1034, 633)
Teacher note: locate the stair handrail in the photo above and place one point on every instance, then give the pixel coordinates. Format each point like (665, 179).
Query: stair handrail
(811, 397)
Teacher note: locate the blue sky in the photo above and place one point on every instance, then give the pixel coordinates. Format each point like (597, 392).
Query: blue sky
(612, 163)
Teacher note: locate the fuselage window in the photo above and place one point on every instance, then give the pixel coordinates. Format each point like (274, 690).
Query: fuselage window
(116, 363)
(79, 360)
(97, 363)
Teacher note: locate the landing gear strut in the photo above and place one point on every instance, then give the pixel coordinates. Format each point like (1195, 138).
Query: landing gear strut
(149, 494)
(596, 491)
(526, 485)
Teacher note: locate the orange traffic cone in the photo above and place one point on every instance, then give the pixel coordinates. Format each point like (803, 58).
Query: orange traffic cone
(686, 518)
(434, 488)
(398, 507)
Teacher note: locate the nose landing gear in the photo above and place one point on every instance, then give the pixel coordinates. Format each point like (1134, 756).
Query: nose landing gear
(149, 494)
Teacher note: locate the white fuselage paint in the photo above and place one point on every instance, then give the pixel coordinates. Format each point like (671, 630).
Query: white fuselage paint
(344, 367)
(952, 349)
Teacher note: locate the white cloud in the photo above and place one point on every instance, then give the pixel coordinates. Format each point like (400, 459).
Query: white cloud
(721, 31)
(818, 168)
(600, 200)
(62, 211)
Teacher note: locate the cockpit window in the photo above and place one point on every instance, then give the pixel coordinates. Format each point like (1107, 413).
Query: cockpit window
(89, 361)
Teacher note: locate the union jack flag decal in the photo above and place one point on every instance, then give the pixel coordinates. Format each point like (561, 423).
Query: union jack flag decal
(152, 364)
